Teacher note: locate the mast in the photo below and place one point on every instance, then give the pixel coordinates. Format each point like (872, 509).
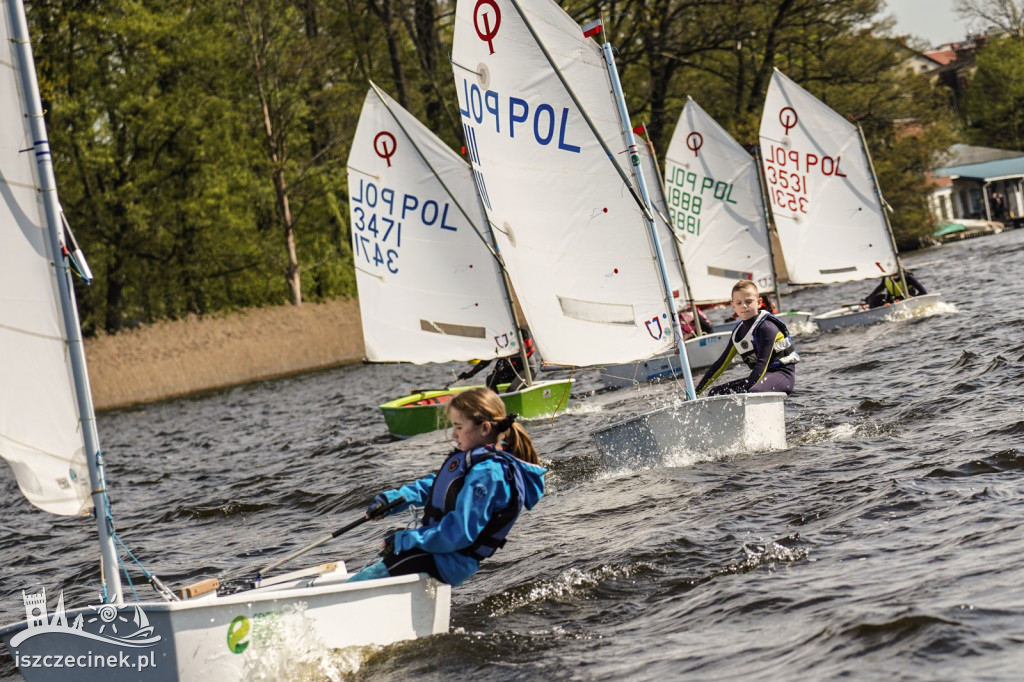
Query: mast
(652, 229)
(885, 215)
(698, 329)
(72, 326)
(769, 223)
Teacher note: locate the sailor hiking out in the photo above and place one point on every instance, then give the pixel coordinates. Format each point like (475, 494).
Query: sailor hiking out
(472, 502)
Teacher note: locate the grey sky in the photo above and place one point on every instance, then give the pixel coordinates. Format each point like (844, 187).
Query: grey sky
(932, 20)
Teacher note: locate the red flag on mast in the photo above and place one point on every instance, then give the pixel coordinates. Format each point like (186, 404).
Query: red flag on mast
(592, 29)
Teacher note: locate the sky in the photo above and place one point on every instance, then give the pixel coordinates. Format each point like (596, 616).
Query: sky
(932, 20)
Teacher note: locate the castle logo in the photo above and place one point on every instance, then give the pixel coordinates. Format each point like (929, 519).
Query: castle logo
(107, 625)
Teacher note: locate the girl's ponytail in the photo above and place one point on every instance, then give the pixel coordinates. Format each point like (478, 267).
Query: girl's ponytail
(484, 405)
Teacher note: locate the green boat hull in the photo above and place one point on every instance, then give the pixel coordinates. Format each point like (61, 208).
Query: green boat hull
(425, 411)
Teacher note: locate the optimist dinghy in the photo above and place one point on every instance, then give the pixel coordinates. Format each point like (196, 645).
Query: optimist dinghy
(833, 223)
(582, 249)
(432, 285)
(855, 315)
(48, 436)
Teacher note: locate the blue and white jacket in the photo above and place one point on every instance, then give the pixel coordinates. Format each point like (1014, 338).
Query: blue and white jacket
(485, 491)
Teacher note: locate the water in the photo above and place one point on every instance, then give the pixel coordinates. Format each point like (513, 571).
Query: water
(884, 543)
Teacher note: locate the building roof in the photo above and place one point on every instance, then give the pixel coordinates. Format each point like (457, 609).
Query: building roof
(942, 56)
(965, 154)
(987, 171)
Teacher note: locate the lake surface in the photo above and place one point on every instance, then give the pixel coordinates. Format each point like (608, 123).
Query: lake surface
(884, 543)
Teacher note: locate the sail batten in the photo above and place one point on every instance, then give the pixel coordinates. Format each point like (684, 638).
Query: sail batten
(821, 190)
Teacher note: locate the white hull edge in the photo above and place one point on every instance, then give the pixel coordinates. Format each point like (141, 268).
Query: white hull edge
(717, 425)
(254, 634)
(701, 351)
(851, 316)
(793, 320)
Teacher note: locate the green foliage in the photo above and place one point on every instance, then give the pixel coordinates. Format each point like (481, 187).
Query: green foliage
(179, 128)
(994, 102)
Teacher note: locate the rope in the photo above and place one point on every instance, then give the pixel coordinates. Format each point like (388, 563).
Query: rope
(153, 580)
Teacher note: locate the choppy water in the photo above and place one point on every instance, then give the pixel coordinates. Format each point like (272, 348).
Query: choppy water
(885, 543)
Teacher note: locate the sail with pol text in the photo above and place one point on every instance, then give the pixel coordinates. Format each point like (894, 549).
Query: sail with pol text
(540, 128)
(714, 195)
(822, 192)
(430, 288)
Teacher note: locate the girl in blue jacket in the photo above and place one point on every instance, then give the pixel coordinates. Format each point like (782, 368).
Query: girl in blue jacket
(473, 500)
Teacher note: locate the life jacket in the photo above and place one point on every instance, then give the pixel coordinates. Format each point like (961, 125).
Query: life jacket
(783, 352)
(528, 344)
(449, 481)
(687, 323)
(897, 288)
(439, 400)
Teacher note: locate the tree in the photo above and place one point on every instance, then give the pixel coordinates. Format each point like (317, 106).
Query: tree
(994, 101)
(1006, 14)
(199, 146)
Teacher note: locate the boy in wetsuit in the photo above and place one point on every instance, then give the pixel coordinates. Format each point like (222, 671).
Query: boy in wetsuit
(762, 341)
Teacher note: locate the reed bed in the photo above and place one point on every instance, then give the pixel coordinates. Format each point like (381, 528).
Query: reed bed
(180, 357)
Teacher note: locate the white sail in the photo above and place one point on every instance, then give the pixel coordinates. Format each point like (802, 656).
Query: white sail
(714, 196)
(40, 430)
(429, 288)
(572, 235)
(662, 220)
(822, 192)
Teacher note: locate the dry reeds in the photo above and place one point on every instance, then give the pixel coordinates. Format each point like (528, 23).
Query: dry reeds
(180, 357)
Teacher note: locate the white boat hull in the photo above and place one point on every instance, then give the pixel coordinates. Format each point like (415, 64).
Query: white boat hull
(854, 316)
(792, 320)
(701, 351)
(255, 634)
(718, 425)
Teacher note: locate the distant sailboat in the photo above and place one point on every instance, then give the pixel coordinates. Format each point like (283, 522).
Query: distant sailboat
(431, 286)
(828, 208)
(715, 198)
(48, 436)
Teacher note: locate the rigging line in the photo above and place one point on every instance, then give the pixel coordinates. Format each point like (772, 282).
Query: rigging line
(583, 112)
(565, 394)
(124, 569)
(153, 580)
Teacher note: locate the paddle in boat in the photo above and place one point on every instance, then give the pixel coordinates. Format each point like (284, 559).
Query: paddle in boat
(49, 438)
(832, 221)
(561, 176)
(431, 281)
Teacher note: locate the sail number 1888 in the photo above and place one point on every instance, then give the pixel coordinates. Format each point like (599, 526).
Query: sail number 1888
(684, 208)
